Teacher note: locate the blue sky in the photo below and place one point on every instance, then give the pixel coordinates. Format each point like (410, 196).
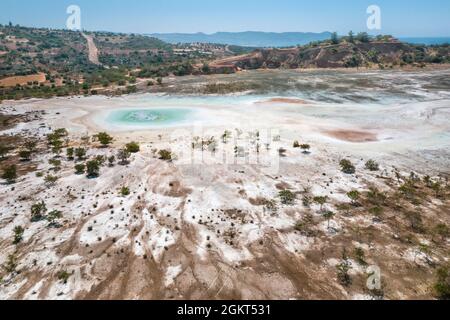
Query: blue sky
(399, 17)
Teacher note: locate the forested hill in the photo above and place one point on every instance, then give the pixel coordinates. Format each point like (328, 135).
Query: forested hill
(346, 52)
(247, 39)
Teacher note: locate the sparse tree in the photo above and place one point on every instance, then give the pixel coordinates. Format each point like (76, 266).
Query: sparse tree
(55, 163)
(10, 174)
(63, 276)
(125, 191)
(287, 197)
(320, 201)
(80, 153)
(372, 165)
(360, 256)
(25, 155)
(52, 218)
(442, 285)
(347, 167)
(305, 148)
(111, 161)
(38, 211)
(123, 155)
(442, 230)
(70, 153)
(80, 168)
(343, 269)
(165, 155)
(334, 38)
(363, 37)
(104, 138)
(328, 215)
(10, 265)
(50, 180)
(4, 150)
(133, 147)
(18, 234)
(30, 145)
(354, 196)
(93, 169)
(351, 37)
(57, 146)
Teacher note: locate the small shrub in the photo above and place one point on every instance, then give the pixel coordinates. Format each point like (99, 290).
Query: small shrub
(320, 201)
(53, 216)
(37, 211)
(123, 155)
(4, 149)
(10, 174)
(347, 167)
(133, 147)
(25, 155)
(18, 234)
(442, 285)
(10, 265)
(125, 191)
(104, 139)
(328, 215)
(376, 211)
(376, 197)
(93, 169)
(70, 153)
(305, 148)
(442, 230)
(80, 153)
(360, 256)
(287, 197)
(50, 180)
(111, 161)
(80, 168)
(63, 276)
(55, 163)
(342, 270)
(165, 155)
(354, 197)
(372, 165)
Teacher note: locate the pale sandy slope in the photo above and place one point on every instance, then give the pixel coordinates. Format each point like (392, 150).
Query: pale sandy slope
(93, 50)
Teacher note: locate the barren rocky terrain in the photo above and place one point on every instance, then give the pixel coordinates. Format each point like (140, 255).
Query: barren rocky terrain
(251, 200)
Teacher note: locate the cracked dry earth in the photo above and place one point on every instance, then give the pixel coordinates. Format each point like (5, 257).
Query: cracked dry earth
(206, 232)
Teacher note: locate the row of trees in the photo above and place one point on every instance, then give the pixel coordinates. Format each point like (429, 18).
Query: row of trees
(362, 37)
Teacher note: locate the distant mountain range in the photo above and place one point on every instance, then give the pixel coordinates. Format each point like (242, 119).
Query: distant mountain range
(427, 41)
(245, 39)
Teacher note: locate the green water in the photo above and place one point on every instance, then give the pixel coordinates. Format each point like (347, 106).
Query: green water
(149, 117)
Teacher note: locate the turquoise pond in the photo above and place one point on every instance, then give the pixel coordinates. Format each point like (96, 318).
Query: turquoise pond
(149, 117)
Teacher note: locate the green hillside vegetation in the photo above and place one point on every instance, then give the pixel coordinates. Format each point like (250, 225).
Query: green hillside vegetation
(63, 56)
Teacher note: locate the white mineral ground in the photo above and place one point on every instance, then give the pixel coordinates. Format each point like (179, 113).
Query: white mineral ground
(193, 231)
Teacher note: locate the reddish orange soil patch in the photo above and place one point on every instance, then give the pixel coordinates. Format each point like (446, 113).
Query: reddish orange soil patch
(283, 100)
(22, 80)
(352, 135)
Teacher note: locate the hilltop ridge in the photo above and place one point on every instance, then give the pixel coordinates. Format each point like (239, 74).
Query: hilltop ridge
(246, 39)
(380, 52)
